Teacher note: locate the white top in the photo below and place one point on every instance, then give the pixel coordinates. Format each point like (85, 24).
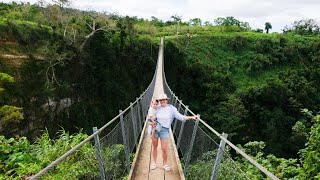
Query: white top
(152, 112)
(165, 115)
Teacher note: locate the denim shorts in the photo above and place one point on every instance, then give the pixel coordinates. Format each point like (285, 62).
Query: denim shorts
(164, 133)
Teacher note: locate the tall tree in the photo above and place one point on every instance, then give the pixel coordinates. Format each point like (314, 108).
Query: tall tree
(304, 27)
(156, 21)
(207, 23)
(62, 3)
(195, 22)
(95, 22)
(177, 20)
(267, 26)
(228, 21)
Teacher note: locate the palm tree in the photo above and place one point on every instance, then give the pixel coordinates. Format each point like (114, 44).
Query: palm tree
(268, 26)
(177, 19)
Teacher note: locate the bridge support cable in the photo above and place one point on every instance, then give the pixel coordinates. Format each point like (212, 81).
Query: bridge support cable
(175, 99)
(243, 154)
(84, 162)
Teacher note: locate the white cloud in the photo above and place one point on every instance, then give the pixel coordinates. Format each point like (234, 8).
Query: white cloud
(256, 12)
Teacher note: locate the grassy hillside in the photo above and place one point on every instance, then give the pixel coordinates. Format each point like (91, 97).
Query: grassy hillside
(250, 85)
(234, 53)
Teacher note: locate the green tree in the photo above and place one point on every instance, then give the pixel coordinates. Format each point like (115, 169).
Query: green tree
(304, 27)
(207, 23)
(5, 78)
(177, 20)
(228, 21)
(267, 26)
(62, 3)
(157, 22)
(259, 30)
(95, 22)
(231, 21)
(229, 116)
(8, 114)
(310, 155)
(195, 22)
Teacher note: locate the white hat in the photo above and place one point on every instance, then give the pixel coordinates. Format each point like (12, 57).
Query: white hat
(162, 96)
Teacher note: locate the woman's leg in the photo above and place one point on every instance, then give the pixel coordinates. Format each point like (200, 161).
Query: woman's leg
(154, 150)
(164, 147)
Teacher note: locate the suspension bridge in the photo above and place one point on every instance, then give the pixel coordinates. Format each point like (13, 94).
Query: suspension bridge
(122, 147)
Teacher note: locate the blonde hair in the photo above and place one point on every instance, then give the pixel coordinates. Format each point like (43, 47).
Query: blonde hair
(153, 100)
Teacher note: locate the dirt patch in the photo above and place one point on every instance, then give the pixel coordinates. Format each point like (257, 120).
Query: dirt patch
(11, 56)
(8, 42)
(13, 60)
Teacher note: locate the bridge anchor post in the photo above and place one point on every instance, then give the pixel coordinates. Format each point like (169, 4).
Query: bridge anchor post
(175, 122)
(97, 146)
(125, 143)
(134, 124)
(188, 156)
(181, 128)
(139, 115)
(214, 175)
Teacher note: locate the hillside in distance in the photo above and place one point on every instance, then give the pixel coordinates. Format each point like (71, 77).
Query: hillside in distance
(250, 85)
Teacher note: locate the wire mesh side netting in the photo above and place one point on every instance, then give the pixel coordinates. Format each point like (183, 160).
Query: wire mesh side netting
(113, 144)
(202, 156)
(199, 160)
(185, 137)
(176, 125)
(113, 154)
(230, 167)
(82, 164)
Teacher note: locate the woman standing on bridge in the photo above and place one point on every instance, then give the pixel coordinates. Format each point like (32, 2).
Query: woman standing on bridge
(165, 115)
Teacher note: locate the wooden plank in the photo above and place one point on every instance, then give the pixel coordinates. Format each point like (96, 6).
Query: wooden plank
(137, 153)
(158, 173)
(173, 158)
(141, 166)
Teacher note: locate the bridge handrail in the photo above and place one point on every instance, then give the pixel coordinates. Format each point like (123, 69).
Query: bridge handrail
(252, 161)
(72, 150)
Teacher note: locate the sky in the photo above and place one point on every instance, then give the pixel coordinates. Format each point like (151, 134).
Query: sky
(256, 12)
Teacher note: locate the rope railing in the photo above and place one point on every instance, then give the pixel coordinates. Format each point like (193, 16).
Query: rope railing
(109, 156)
(115, 147)
(179, 104)
(122, 137)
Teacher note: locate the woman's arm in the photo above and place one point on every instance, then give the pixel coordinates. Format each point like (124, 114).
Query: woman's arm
(190, 117)
(179, 116)
(152, 123)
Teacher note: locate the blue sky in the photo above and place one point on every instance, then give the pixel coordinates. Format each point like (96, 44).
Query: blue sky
(278, 12)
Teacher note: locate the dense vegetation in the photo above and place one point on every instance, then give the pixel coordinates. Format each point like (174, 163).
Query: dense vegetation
(252, 85)
(61, 67)
(73, 84)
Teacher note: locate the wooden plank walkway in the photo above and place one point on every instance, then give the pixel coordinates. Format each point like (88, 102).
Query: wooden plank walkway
(141, 166)
(140, 169)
